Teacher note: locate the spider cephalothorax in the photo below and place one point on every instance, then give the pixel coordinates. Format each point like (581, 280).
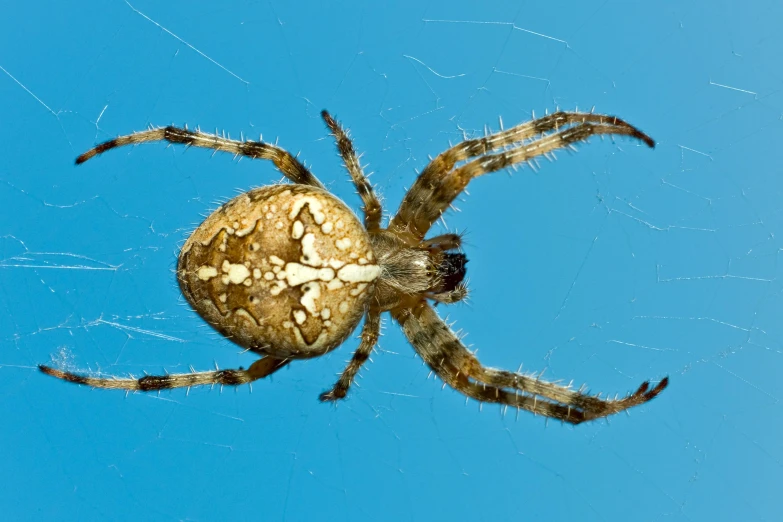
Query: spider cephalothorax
(288, 271)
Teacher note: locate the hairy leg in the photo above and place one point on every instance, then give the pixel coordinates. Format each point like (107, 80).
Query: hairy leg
(449, 358)
(426, 201)
(291, 167)
(370, 333)
(372, 206)
(259, 369)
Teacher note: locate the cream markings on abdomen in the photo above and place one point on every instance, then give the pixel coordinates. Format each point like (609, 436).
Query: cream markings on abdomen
(294, 259)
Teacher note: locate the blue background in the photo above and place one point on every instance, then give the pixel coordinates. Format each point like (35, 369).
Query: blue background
(610, 266)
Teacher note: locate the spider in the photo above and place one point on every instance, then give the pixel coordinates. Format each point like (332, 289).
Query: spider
(288, 271)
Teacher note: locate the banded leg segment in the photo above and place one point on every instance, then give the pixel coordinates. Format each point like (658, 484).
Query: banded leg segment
(370, 333)
(456, 182)
(287, 164)
(258, 370)
(449, 358)
(425, 201)
(372, 205)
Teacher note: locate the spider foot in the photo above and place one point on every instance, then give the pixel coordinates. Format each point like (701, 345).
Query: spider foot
(66, 376)
(640, 396)
(333, 395)
(646, 394)
(603, 408)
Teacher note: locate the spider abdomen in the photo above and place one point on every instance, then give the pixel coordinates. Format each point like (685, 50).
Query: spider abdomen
(283, 270)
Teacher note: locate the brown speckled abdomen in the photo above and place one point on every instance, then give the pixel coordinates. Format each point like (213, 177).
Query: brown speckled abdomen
(284, 270)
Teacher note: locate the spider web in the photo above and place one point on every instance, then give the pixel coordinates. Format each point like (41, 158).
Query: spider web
(610, 266)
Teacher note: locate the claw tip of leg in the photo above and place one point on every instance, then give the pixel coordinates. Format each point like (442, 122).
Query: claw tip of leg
(330, 396)
(50, 371)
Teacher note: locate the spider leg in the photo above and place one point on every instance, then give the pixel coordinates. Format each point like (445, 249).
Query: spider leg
(291, 167)
(370, 332)
(449, 358)
(259, 369)
(436, 187)
(372, 205)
